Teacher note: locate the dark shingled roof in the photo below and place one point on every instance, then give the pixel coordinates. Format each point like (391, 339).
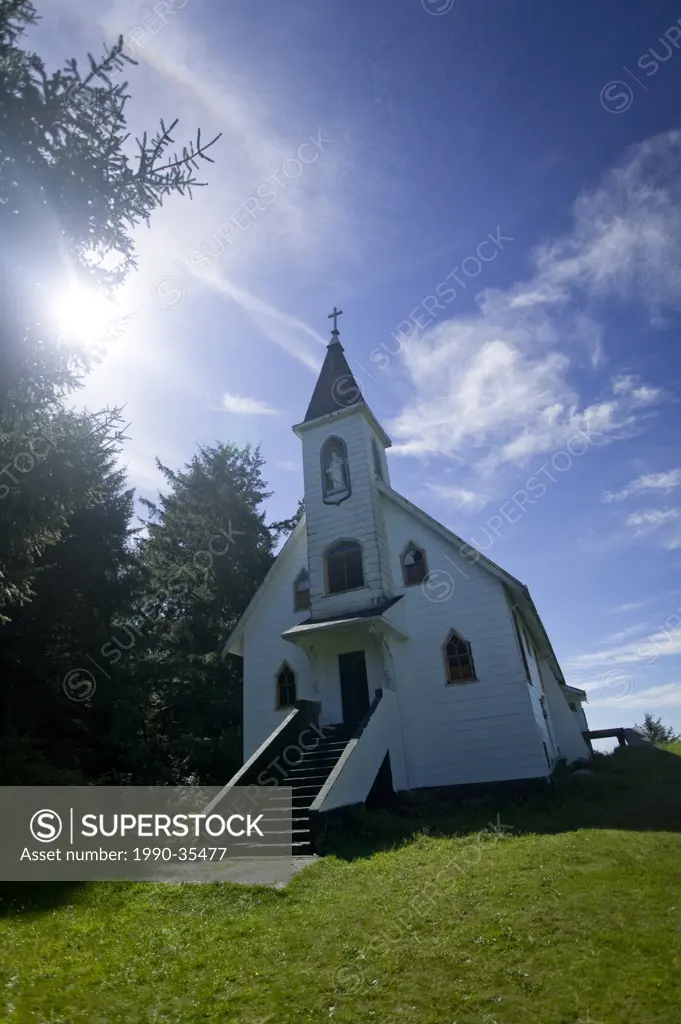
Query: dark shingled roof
(364, 613)
(336, 387)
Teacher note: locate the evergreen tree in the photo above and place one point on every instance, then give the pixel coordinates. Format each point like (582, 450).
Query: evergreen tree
(61, 713)
(71, 191)
(208, 549)
(656, 731)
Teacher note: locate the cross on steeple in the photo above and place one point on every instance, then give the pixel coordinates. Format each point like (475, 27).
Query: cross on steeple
(334, 316)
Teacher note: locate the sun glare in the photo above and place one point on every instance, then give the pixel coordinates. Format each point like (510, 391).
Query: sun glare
(84, 315)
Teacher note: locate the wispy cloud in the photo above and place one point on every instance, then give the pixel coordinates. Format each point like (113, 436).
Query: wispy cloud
(631, 606)
(651, 519)
(243, 405)
(661, 523)
(666, 696)
(459, 497)
(638, 629)
(497, 387)
(287, 331)
(660, 643)
(626, 238)
(661, 483)
(253, 237)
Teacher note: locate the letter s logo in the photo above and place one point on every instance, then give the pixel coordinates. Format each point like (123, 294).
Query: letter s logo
(45, 826)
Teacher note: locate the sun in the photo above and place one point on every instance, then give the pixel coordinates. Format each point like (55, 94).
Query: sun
(84, 315)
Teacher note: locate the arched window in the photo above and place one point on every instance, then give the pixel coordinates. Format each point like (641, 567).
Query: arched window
(286, 686)
(378, 465)
(301, 591)
(335, 471)
(414, 565)
(344, 567)
(458, 659)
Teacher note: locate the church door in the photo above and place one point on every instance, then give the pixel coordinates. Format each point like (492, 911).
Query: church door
(354, 686)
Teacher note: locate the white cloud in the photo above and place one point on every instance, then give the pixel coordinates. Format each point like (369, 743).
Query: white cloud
(492, 388)
(497, 387)
(460, 497)
(287, 331)
(242, 404)
(631, 606)
(626, 237)
(651, 519)
(666, 696)
(649, 482)
(663, 643)
(664, 524)
(637, 629)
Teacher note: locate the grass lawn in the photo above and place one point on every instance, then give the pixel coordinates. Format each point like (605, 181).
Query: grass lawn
(426, 915)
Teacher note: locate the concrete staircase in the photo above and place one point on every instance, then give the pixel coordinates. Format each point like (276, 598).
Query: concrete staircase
(306, 778)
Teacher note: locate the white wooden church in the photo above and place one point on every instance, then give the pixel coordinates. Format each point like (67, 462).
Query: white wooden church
(380, 645)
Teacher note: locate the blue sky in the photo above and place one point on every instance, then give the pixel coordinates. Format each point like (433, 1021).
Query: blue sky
(490, 191)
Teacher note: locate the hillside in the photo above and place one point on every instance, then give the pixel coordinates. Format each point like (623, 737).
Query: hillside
(561, 909)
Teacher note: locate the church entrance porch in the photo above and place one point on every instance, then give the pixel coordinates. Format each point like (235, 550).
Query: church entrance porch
(350, 657)
(354, 686)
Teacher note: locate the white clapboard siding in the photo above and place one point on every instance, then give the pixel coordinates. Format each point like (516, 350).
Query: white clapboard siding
(264, 651)
(536, 692)
(466, 732)
(356, 518)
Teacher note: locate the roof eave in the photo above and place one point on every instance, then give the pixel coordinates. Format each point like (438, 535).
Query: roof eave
(331, 417)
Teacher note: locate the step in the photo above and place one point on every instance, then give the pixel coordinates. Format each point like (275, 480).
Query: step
(318, 778)
(324, 758)
(332, 741)
(295, 804)
(302, 781)
(325, 745)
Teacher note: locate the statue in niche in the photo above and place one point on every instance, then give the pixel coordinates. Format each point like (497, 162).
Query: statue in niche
(336, 472)
(335, 476)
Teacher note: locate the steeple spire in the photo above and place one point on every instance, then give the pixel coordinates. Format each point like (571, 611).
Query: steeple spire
(336, 386)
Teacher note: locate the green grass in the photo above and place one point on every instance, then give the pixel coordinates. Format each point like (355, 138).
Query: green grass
(425, 915)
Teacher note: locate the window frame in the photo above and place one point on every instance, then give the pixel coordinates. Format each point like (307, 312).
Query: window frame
(329, 552)
(296, 591)
(412, 546)
(282, 668)
(453, 633)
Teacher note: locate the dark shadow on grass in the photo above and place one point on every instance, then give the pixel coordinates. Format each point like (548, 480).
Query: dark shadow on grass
(36, 897)
(632, 789)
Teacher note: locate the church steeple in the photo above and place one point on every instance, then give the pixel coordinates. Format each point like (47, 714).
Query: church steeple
(336, 387)
(344, 471)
